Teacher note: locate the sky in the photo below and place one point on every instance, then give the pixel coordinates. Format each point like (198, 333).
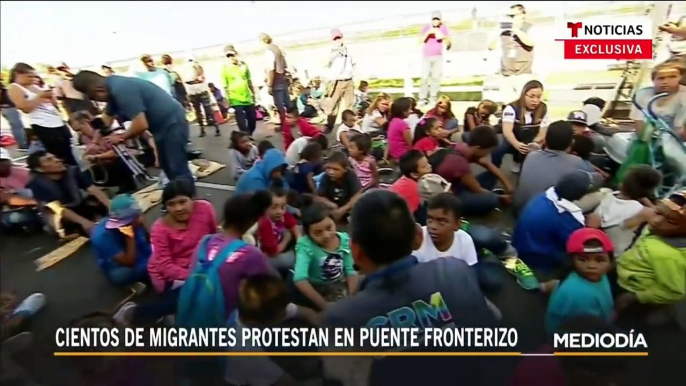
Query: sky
(91, 32)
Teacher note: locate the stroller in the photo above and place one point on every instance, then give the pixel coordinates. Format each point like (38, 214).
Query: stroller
(658, 146)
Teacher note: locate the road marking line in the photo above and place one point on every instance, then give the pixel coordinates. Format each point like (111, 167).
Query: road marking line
(60, 253)
(208, 185)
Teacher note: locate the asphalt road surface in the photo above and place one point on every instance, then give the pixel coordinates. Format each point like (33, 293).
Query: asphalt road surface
(75, 286)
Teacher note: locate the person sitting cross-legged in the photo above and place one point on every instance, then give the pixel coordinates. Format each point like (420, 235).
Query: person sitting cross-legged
(59, 189)
(122, 243)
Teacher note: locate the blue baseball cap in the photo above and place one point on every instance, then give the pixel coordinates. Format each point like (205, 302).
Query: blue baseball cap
(124, 210)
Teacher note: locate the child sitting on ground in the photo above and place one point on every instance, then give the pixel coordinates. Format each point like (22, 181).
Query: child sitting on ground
(295, 127)
(362, 162)
(243, 153)
(262, 148)
(277, 232)
(307, 168)
(413, 165)
(362, 99)
(428, 136)
(479, 115)
(339, 187)
(399, 133)
(443, 236)
(324, 270)
(622, 213)
(414, 117)
(263, 301)
(578, 121)
(652, 273)
(586, 289)
(348, 129)
(294, 150)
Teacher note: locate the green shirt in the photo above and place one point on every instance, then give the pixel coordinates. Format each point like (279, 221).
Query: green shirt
(319, 266)
(236, 79)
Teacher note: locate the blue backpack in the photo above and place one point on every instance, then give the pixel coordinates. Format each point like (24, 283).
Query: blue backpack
(201, 301)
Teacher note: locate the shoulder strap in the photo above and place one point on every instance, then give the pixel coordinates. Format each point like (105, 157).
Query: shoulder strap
(226, 251)
(202, 251)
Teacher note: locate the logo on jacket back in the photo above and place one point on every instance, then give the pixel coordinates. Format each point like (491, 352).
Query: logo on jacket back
(416, 314)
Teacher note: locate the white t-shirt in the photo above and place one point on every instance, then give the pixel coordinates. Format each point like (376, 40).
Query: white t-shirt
(509, 116)
(368, 124)
(293, 151)
(343, 129)
(613, 212)
(254, 371)
(462, 248)
(412, 122)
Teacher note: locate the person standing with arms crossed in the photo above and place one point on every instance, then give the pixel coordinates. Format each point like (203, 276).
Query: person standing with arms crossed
(434, 37)
(148, 107)
(341, 88)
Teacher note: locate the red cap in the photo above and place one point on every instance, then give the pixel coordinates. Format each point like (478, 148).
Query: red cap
(336, 34)
(575, 243)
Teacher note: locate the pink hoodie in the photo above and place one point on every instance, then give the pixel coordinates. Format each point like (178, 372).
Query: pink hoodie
(172, 249)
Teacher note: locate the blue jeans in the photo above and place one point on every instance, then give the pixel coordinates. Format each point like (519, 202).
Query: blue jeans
(17, 126)
(451, 124)
(477, 204)
(501, 151)
(487, 238)
(246, 118)
(122, 276)
(489, 275)
(172, 152)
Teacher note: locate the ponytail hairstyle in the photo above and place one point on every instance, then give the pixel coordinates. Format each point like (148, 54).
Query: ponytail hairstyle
(242, 211)
(422, 129)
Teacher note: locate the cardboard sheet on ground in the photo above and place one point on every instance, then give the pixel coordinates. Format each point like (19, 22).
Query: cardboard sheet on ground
(202, 168)
(60, 253)
(148, 197)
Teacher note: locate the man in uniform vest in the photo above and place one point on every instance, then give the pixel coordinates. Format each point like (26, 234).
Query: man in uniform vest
(199, 95)
(517, 53)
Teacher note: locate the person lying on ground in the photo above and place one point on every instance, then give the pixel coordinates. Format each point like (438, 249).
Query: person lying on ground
(59, 190)
(294, 151)
(17, 206)
(362, 162)
(584, 289)
(122, 243)
(547, 221)
(307, 168)
(653, 270)
(443, 236)
(479, 115)
(296, 127)
(413, 166)
(347, 130)
(263, 301)
(324, 270)
(243, 152)
(339, 188)
(149, 108)
(176, 234)
(277, 233)
(623, 212)
(477, 193)
(381, 243)
(444, 113)
(543, 168)
(428, 136)
(399, 133)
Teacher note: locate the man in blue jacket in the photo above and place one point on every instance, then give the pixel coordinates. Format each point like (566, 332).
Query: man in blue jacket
(547, 221)
(267, 173)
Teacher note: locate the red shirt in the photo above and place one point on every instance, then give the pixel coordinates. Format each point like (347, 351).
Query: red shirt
(305, 128)
(454, 167)
(426, 145)
(270, 232)
(408, 189)
(17, 180)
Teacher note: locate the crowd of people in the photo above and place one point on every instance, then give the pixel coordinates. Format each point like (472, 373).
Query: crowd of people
(316, 231)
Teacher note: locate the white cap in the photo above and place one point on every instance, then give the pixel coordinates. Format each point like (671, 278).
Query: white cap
(4, 154)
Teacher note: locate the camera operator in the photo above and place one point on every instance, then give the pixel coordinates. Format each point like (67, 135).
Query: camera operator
(517, 48)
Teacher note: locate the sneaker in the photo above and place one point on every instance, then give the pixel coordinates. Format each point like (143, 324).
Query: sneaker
(525, 277)
(32, 304)
(499, 191)
(516, 168)
(137, 288)
(124, 314)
